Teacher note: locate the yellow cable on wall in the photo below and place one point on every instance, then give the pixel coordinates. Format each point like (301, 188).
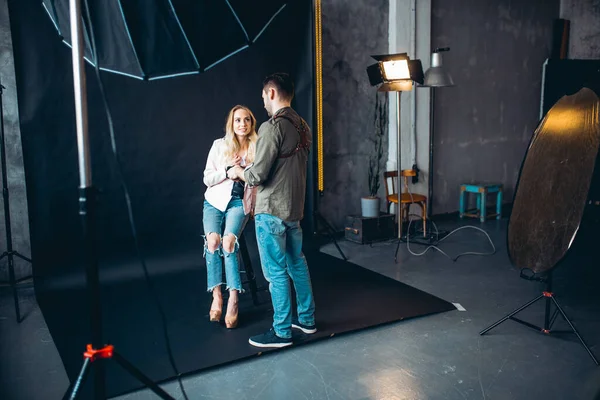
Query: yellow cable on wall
(319, 96)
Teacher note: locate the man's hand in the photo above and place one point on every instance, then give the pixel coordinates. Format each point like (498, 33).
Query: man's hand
(236, 173)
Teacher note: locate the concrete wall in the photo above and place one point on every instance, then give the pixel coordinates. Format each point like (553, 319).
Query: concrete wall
(483, 125)
(352, 32)
(14, 156)
(498, 46)
(584, 15)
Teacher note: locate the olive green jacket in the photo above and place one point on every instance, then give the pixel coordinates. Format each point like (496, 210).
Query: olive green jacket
(281, 180)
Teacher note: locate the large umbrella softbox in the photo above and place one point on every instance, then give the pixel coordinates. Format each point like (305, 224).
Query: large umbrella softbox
(151, 39)
(146, 39)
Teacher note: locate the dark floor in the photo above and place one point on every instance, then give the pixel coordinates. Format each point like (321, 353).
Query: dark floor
(435, 357)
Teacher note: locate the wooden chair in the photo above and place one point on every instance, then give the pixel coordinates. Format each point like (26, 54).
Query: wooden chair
(407, 198)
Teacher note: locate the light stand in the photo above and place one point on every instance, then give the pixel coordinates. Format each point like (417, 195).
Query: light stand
(435, 77)
(9, 253)
(96, 351)
(399, 177)
(548, 320)
(399, 166)
(431, 148)
(396, 73)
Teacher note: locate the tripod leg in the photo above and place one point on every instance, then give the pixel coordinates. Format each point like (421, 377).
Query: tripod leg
(339, 249)
(141, 377)
(510, 315)
(74, 388)
(397, 248)
(13, 286)
(331, 233)
(21, 256)
(553, 319)
(12, 281)
(575, 330)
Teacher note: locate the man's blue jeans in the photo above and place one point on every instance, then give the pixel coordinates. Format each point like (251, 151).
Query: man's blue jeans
(280, 249)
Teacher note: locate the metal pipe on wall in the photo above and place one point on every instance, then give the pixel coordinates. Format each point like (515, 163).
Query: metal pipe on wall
(392, 48)
(430, 177)
(413, 93)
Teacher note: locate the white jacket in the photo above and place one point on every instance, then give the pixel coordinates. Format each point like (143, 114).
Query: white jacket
(219, 187)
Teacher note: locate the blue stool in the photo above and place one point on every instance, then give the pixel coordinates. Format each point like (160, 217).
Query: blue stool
(482, 190)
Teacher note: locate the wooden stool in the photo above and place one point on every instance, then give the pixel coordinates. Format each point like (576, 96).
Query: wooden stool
(482, 190)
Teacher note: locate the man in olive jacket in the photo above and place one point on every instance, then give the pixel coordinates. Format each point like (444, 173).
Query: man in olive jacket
(279, 172)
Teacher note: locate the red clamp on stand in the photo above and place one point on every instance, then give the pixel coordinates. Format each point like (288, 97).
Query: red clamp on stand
(105, 352)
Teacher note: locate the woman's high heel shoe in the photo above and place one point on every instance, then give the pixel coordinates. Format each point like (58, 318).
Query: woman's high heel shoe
(231, 319)
(215, 315)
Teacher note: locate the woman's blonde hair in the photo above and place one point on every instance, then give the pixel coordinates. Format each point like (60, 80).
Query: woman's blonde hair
(232, 145)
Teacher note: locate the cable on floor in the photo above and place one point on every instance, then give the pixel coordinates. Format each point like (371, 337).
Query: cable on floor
(434, 246)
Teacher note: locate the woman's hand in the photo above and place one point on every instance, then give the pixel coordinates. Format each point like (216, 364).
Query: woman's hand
(236, 160)
(231, 173)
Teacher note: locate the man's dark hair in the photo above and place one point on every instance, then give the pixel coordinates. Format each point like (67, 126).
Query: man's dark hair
(282, 82)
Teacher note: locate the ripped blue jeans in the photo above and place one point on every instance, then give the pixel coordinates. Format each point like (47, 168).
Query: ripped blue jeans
(230, 222)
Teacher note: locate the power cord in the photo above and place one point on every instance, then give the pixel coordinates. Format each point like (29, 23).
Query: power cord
(434, 246)
(128, 201)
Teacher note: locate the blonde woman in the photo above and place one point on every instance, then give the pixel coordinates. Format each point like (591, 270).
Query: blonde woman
(227, 206)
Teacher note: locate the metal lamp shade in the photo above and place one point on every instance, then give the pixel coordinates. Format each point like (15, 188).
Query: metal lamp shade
(437, 76)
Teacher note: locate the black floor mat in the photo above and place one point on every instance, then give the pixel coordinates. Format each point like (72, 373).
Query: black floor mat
(347, 297)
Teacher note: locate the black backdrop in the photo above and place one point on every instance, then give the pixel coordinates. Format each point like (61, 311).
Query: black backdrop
(164, 130)
(567, 77)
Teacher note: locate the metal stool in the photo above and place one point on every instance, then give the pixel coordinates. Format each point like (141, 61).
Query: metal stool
(248, 270)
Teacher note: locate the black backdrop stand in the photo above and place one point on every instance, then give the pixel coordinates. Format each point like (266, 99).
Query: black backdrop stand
(548, 319)
(320, 221)
(97, 351)
(10, 254)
